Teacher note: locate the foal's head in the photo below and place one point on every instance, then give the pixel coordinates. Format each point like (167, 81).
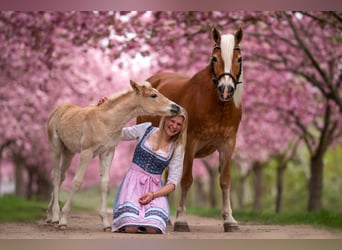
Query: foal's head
(151, 102)
(226, 65)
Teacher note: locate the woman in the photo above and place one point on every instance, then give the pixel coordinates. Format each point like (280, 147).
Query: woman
(141, 203)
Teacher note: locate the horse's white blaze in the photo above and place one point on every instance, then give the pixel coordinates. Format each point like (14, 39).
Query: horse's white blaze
(227, 48)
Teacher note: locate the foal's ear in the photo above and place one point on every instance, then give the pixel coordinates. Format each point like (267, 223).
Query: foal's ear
(138, 88)
(216, 36)
(134, 86)
(238, 36)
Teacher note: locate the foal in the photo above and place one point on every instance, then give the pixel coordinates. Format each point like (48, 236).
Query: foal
(95, 131)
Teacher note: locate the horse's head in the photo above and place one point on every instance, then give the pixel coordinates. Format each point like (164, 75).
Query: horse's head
(151, 102)
(226, 64)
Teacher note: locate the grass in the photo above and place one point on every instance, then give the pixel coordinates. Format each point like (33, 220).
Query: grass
(326, 219)
(16, 209)
(13, 208)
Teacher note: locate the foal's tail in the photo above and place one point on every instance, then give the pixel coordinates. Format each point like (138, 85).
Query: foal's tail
(54, 118)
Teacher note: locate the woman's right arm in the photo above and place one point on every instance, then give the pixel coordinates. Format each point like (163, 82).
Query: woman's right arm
(134, 132)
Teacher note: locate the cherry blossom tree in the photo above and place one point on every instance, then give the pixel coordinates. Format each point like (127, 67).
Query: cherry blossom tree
(292, 76)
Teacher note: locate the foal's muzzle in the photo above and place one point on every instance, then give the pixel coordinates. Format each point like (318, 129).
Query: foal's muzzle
(175, 109)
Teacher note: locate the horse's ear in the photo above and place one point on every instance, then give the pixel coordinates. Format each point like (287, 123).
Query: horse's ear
(215, 34)
(238, 36)
(134, 86)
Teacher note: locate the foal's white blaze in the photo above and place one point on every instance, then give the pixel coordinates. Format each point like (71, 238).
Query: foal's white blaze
(227, 49)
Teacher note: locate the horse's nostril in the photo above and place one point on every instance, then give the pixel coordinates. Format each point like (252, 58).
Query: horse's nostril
(175, 108)
(230, 89)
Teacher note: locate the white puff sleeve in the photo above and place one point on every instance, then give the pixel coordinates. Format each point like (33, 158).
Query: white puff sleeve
(176, 166)
(134, 132)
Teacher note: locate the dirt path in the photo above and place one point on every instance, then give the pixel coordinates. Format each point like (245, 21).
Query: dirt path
(87, 225)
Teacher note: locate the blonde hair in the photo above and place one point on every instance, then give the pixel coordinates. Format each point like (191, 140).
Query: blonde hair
(180, 138)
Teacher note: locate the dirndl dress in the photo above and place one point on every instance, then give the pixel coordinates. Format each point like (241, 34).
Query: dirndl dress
(142, 177)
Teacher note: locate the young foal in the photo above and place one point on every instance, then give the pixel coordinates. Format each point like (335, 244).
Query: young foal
(212, 98)
(95, 131)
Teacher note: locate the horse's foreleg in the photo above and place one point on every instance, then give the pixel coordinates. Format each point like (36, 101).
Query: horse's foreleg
(181, 225)
(229, 223)
(85, 158)
(105, 164)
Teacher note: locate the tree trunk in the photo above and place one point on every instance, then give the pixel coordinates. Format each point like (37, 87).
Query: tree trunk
(200, 197)
(280, 183)
(315, 183)
(44, 188)
(242, 189)
(212, 187)
(29, 189)
(19, 179)
(258, 185)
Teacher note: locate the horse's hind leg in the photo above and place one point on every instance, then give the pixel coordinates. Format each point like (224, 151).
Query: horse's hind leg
(53, 209)
(49, 210)
(85, 158)
(105, 164)
(67, 157)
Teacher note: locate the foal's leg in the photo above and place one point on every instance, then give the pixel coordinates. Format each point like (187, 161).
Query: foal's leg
(67, 157)
(105, 164)
(85, 158)
(229, 223)
(53, 208)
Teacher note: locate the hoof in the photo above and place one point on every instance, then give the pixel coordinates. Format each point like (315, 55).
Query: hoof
(62, 227)
(181, 227)
(54, 223)
(49, 222)
(107, 229)
(230, 228)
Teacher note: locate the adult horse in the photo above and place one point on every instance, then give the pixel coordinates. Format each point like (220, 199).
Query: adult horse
(95, 131)
(212, 98)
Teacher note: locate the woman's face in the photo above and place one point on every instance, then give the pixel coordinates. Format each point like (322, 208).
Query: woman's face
(173, 125)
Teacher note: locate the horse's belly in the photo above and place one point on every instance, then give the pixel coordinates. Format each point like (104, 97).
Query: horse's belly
(205, 151)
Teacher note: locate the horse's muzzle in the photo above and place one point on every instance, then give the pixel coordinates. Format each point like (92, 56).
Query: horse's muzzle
(226, 92)
(175, 109)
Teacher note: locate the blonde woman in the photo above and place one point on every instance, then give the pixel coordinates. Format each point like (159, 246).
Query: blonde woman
(141, 203)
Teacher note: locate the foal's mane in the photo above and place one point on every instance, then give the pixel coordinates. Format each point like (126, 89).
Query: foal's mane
(117, 97)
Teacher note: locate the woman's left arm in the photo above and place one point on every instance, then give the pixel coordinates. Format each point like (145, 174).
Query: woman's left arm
(165, 190)
(174, 174)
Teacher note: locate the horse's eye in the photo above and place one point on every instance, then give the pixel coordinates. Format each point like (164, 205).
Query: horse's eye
(154, 96)
(214, 59)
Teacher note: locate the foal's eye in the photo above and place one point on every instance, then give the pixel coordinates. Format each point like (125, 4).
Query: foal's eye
(240, 59)
(154, 96)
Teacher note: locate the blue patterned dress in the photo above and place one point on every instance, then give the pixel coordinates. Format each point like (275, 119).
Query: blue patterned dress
(145, 176)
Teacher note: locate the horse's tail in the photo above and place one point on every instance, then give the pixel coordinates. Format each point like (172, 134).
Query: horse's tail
(54, 118)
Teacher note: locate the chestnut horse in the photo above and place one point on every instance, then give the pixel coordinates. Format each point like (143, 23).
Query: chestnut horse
(212, 98)
(95, 131)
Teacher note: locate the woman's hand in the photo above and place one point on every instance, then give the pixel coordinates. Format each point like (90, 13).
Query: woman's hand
(102, 100)
(146, 198)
